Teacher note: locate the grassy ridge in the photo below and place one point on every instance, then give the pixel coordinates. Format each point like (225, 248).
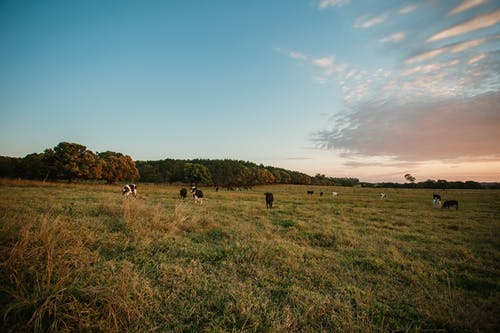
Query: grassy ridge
(80, 257)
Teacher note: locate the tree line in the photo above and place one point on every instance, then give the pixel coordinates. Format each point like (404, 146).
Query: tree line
(228, 174)
(72, 161)
(439, 184)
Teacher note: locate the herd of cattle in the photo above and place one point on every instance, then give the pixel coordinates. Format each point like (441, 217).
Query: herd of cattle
(131, 189)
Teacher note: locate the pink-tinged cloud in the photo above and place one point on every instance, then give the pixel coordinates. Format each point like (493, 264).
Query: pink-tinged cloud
(454, 48)
(466, 5)
(425, 56)
(477, 58)
(449, 129)
(477, 23)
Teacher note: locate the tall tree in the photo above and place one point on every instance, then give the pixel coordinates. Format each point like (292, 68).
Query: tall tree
(410, 178)
(72, 161)
(117, 166)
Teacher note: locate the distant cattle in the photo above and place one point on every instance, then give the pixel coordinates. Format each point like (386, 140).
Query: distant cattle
(310, 192)
(269, 200)
(334, 194)
(320, 194)
(183, 193)
(450, 203)
(383, 196)
(129, 189)
(436, 199)
(197, 195)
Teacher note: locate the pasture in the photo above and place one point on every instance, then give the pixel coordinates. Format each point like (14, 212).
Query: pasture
(83, 258)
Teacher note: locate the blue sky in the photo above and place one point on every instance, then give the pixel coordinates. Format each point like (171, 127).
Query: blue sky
(359, 88)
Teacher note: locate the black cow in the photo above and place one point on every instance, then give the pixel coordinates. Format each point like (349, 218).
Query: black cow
(129, 189)
(310, 192)
(269, 200)
(183, 192)
(450, 203)
(197, 195)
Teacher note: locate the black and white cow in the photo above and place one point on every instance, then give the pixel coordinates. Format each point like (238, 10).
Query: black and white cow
(197, 195)
(183, 193)
(450, 203)
(129, 189)
(269, 199)
(436, 199)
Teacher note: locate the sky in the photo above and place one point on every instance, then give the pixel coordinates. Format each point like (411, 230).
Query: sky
(367, 89)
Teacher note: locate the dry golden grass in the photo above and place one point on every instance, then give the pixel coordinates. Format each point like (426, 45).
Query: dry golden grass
(82, 258)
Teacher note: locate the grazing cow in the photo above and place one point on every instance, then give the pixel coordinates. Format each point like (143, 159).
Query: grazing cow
(320, 194)
(436, 199)
(269, 200)
(383, 196)
(129, 189)
(197, 195)
(183, 192)
(450, 203)
(310, 192)
(334, 194)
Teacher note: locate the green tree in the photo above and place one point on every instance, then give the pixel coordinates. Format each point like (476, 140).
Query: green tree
(196, 174)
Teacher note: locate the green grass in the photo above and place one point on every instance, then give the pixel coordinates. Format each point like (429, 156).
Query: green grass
(82, 258)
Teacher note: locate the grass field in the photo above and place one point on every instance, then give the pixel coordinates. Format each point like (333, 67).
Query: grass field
(82, 258)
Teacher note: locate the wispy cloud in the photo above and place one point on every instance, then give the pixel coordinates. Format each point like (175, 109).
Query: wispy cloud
(394, 38)
(368, 22)
(453, 48)
(297, 55)
(328, 65)
(476, 23)
(407, 9)
(429, 68)
(460, 47)
(477, 58)
(332, 3)
(428, 55)
(466, 5)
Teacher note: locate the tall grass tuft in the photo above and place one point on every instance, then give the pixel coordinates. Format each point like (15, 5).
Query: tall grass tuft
(53, 281)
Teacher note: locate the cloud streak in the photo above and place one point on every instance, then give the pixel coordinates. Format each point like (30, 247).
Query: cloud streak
(394, 38)
(368, 22)
(476, 23)
(332, 3)
(466, 5)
